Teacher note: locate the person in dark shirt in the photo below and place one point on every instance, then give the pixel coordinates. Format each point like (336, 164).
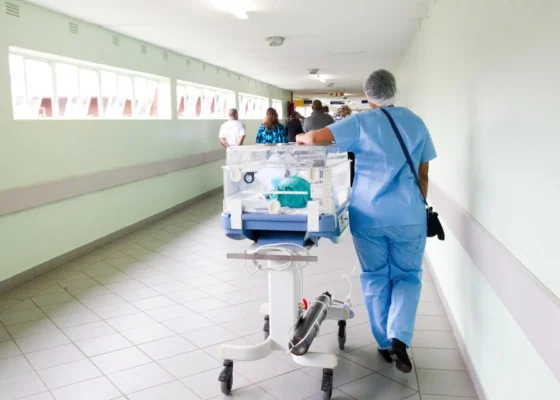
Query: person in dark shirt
(293, 127)
(318, 119)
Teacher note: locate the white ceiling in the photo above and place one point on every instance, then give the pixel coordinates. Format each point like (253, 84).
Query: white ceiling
(345, 39)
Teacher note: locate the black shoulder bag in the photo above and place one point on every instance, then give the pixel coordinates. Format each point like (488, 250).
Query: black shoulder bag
(434, 226)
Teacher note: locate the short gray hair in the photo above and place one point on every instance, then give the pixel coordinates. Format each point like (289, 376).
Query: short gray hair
(380, 88)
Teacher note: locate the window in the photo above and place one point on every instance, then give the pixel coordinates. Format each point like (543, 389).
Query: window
(125, 96)
(32, 87)
(17, 77)
(304, 111)
(147, 94)
(45, 86)
(77, 91)
(110, 96)
(252, 107)
(278, 106)
(204, 102)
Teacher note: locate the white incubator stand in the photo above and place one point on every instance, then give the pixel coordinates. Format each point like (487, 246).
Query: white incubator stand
(285, 198)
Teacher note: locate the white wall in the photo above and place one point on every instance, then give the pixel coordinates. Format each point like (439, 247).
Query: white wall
(32, 152)
(485, 77)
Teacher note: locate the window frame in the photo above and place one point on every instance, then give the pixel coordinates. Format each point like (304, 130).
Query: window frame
(274, 104)
(163, 86)
(256, 102)
(187, 88)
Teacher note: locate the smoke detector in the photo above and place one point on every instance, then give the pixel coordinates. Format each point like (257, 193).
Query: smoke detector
(275, 41)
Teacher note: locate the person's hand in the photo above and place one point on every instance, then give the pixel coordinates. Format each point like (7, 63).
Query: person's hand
(304, 138)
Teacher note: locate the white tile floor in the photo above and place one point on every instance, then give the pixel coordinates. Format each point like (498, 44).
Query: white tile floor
(142, 319)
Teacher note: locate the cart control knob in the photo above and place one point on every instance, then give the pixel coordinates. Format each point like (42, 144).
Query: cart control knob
(235, 175)
(274, 207)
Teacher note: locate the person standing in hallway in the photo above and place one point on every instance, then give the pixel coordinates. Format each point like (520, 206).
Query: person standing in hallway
(387, 212)
(232, 132)
(318, 119)
(326, 110)
(271, 130)
(344, 112)
(293, 127)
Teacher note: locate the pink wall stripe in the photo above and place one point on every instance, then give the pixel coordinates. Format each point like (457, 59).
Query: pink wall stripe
(22, 198)
(535, 308)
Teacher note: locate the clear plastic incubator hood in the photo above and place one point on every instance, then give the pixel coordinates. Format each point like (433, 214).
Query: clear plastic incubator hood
(300, 191)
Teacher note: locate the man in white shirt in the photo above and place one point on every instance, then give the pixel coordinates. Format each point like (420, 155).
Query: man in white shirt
(232, 132)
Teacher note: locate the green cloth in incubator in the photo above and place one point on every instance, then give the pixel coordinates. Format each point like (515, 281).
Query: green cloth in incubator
(293, 184)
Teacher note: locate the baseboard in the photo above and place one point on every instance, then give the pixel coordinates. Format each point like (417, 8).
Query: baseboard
(40, 269)
(460, 341)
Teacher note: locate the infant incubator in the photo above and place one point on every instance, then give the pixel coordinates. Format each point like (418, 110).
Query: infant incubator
(300, 190)
(285, 198)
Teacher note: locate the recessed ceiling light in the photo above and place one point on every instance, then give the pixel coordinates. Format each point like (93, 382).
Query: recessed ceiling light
(240, 13)
(275, 41)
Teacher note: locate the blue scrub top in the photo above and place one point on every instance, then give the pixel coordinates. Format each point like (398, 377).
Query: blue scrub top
(385, 192)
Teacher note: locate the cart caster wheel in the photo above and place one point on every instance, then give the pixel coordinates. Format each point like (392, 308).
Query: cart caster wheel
(226, 377)
(266, 328)
(227, 385)
(327, 384)
(341, 334)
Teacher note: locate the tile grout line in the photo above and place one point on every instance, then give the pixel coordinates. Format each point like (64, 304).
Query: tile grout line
(74, 344)
(88, 358)
(30, 364)
(36, 371)
(416, 372)
(120, 332)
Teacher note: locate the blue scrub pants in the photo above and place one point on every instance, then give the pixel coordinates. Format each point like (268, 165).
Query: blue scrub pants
(391, 260)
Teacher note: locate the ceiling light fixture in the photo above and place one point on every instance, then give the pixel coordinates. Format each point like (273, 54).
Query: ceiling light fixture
(320, 78)
(240, 13)
(275, 41)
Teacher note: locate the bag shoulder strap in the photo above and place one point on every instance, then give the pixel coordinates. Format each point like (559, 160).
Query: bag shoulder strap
(405, 151)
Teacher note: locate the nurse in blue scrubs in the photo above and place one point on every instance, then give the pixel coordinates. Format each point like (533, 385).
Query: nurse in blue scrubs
(387, 212)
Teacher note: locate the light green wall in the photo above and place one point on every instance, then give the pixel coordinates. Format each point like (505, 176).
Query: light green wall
(37, 151)
(42, 233)
(484, 76)
(505, 360)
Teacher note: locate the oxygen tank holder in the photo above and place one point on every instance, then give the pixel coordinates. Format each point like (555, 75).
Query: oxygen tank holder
(316, 324)
(285, 296)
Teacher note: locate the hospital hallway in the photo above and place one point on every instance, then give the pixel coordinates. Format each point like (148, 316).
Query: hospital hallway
(185, 187)
(144, 316)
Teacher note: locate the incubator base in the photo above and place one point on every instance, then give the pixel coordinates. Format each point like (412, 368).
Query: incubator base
(281, 312)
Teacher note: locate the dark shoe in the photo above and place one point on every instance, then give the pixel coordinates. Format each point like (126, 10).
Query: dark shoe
(400, 356)
(385, 354)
